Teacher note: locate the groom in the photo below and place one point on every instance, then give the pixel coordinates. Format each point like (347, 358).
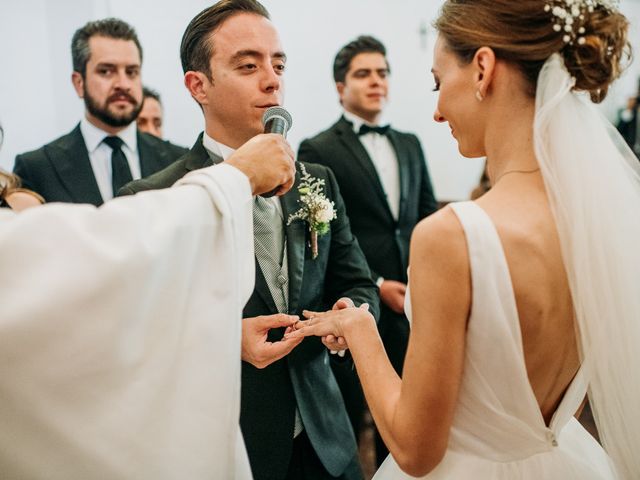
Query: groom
(292, 414)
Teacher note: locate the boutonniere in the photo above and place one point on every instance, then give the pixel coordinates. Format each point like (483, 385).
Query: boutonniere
(315, 208)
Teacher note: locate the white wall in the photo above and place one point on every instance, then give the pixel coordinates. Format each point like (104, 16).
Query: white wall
(38, 104)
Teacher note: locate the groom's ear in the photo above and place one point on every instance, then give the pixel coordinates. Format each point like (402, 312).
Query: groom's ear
(484, 64)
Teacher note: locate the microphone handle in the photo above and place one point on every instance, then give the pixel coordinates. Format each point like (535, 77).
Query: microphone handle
(275, 125)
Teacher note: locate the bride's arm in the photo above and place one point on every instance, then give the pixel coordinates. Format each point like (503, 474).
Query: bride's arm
(414, 415)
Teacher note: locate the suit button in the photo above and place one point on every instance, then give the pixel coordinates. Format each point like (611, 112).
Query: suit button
(397, 232)
(281, 279)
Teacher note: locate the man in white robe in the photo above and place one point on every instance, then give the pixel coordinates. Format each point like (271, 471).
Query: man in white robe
(120, 328)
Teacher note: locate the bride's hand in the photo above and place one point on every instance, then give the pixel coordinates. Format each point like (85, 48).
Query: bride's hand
(338, 323)
(338, 345)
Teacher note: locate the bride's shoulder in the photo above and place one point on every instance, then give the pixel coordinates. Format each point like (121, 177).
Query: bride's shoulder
(441, 227)
(439, 279)
(440, 239)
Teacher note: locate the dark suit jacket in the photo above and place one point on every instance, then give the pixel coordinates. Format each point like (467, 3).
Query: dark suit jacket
(61, 170)
(384, 240)
(304, 378)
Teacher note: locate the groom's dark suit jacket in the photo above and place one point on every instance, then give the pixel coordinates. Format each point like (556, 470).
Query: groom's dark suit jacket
(384, 240)
(303, 378)
(61, 170)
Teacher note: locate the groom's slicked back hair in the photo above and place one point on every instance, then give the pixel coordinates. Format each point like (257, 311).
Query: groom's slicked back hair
(196, 47)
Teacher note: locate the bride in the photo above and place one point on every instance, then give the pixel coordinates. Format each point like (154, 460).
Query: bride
(527, 298)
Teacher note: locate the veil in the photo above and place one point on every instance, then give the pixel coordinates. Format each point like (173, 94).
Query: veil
(592, 180)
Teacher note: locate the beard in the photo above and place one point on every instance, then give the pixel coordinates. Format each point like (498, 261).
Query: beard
(102, 112)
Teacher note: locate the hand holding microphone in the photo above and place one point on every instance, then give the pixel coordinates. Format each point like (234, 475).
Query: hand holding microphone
(267, 159)
(277, 120)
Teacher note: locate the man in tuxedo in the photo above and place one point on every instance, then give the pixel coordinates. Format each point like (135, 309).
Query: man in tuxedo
(292, 414)
(384, 179)
(105, 150)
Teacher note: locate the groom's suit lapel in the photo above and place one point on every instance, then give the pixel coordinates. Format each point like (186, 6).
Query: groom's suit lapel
(296, 244)
(295, 235)
(198, 157)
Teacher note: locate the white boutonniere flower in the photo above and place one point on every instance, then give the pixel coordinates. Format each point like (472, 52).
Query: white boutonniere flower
(315, 208)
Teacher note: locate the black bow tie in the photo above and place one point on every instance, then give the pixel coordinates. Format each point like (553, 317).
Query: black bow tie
(364, 129)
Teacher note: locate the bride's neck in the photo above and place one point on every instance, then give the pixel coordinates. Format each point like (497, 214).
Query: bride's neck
(509, 141)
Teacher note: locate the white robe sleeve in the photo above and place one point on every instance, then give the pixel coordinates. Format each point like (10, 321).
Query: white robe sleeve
(120, 334)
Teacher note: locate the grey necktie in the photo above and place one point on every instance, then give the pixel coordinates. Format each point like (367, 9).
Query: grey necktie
(270, 246)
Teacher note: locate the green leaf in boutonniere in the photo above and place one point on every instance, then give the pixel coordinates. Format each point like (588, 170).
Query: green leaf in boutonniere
(315, 208)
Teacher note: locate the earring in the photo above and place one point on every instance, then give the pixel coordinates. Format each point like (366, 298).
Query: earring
(479, 96)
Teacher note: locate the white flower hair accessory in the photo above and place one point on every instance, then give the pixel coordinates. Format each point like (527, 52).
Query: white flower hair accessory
(569, 16)
(315, 208)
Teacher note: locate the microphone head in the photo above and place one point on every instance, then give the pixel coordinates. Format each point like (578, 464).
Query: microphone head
(273, 113)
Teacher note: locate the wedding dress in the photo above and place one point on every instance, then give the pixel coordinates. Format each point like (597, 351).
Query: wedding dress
(498, 431)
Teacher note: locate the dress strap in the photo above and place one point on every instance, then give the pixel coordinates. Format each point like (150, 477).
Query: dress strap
(490, 278)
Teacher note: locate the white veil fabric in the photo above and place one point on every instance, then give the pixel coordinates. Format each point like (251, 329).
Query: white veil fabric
(593, 183)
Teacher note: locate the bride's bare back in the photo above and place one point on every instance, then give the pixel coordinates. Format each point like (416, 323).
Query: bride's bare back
(520, 212)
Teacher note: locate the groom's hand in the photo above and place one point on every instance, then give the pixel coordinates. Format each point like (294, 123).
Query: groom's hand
(256, 349)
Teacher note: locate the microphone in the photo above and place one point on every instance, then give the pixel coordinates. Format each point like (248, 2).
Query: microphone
(276, 120)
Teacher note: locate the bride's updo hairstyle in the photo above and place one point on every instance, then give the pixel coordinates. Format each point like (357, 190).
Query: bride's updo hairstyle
(591, 35)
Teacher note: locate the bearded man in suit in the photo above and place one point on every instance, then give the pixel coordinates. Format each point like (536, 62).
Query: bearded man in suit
(292, 414)
(105, 150)
(387, 190)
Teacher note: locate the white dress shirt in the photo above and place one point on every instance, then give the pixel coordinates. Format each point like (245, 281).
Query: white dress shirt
(384, 160)
(100, 154)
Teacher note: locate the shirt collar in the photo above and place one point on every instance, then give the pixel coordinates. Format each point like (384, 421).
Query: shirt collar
(357, 121)
(216, 148)
(93, 136)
